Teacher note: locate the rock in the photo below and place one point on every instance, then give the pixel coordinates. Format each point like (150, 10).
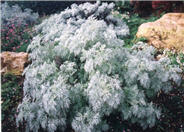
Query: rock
(13, 63)
(166, 32)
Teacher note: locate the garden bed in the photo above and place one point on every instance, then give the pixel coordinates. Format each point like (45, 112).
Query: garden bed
(83, 74)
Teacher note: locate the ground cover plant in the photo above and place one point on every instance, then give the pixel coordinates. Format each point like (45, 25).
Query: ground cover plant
(11, 96)
(82, 73)
(16, 27)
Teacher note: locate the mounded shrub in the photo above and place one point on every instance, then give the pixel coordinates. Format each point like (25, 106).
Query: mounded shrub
(81, 73)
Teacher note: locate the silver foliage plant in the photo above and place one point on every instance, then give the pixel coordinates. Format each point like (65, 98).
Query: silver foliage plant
(80, 73)
(15, 15)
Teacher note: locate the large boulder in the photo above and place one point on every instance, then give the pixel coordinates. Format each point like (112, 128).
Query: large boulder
(166, 32)
(13, 63)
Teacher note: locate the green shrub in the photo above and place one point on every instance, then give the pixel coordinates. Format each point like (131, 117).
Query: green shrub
(81, 74)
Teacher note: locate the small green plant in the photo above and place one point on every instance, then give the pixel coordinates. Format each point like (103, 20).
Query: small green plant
(123, 5)
(175, 57)
(134, 22)
(11, 95)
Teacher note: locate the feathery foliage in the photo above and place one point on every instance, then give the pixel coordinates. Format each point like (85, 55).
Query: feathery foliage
(81, 73)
